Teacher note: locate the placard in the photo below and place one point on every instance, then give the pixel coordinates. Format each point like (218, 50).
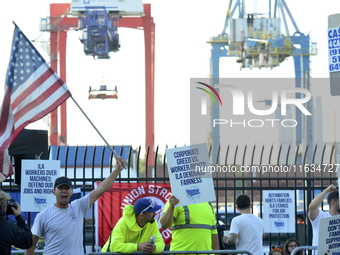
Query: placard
(190, 177)
(279, 211)
(37, 181)
(329, 236)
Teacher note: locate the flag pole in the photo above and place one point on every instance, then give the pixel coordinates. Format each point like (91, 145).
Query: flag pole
(69, 94)
(94, 127)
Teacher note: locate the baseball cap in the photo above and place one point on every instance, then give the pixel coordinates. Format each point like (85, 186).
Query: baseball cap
(62, 181)
(145, 205)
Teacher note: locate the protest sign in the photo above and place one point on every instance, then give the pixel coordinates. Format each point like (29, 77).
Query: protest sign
(190, 178)
(329, 236)
(279, 211)
(37, 180)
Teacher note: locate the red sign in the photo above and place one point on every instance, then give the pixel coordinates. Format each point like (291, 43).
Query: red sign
(112, 203)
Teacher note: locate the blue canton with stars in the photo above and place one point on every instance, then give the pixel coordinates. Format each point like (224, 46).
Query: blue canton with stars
(25, 60)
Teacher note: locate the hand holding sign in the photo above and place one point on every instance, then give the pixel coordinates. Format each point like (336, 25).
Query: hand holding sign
(173, 201)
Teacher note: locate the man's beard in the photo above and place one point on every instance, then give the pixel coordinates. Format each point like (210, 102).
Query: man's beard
(152, 220)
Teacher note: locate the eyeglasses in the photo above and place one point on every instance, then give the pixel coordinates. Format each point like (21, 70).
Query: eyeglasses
(152, 205)
(292, 246)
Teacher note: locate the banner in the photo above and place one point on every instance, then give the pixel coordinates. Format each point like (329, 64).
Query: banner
(109, 207)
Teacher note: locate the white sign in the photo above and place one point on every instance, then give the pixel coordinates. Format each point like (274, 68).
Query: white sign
(329, 236)
(279, 211)
(37, 180)
(334, 49)
(190, 179)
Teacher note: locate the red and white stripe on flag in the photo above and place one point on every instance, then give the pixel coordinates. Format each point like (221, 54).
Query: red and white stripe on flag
(32, 90)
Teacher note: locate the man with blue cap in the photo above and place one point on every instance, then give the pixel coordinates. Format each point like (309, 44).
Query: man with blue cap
(137, 230)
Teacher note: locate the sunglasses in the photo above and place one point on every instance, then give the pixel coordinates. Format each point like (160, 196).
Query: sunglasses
(152, 205)
(292, 246)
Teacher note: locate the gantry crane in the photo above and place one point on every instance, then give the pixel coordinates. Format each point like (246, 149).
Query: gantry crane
(256, 40)
(104, 39)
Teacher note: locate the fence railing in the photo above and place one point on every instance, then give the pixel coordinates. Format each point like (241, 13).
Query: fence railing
(303, 248)
(87, 164)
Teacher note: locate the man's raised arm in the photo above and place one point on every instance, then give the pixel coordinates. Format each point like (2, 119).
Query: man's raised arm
(107, 183)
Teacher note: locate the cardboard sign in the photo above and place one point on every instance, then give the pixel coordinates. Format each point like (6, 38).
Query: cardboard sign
(190, 178)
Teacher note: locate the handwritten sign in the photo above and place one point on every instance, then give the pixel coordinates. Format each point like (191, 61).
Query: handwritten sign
(190, 179)
(279, 211)
(37, 181)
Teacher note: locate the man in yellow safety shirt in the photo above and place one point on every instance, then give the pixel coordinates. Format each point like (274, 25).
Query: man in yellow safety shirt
(193, 226)
(137, 230)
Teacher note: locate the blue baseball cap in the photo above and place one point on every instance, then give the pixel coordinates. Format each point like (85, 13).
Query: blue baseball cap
(145, 205)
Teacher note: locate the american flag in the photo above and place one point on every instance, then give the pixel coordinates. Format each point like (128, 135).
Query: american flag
(32, 90)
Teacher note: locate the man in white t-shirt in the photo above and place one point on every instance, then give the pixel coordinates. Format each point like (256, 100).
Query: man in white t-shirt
(246, 230)
(315, 214)
(61, 224)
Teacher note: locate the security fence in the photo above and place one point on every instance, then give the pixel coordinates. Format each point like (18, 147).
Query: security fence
(248, 169)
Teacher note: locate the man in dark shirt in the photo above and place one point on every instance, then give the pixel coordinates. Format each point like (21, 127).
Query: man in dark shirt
(18, 234)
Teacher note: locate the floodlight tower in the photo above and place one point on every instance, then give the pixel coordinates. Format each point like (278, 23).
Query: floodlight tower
(256, 40)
